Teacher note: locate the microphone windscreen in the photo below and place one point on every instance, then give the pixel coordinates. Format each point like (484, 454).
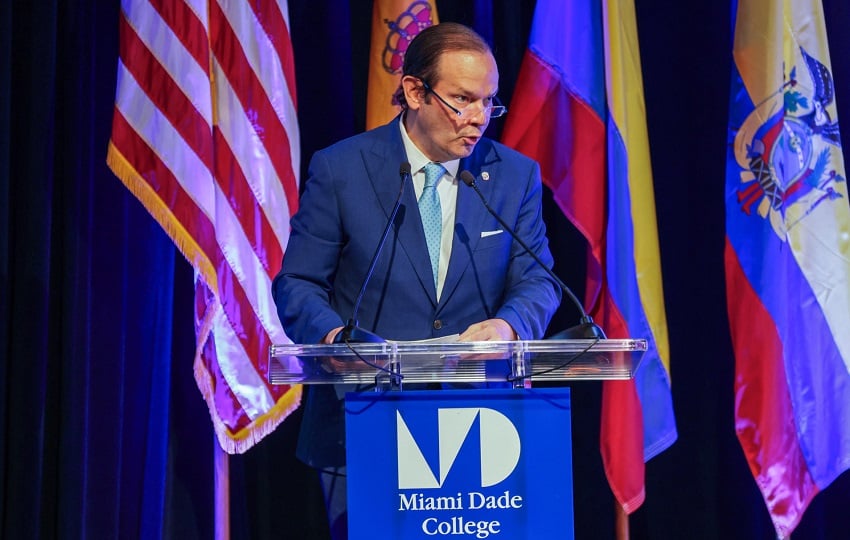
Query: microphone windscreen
(467, 178)
(404, 168)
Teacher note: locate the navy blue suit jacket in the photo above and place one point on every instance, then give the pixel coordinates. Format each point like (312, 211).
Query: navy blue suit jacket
(347, 200)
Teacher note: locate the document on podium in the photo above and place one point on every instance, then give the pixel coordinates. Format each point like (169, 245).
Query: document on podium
(453, 338)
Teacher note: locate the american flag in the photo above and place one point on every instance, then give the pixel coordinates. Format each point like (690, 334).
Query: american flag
(205, 134)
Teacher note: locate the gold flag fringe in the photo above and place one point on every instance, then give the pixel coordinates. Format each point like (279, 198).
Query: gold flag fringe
(232, 443)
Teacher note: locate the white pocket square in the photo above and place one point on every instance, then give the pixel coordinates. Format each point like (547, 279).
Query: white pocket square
(485, 234)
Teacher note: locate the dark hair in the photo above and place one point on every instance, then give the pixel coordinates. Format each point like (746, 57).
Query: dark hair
(428, 46)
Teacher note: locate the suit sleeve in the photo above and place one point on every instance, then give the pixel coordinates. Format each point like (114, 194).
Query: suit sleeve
(302, 289)
(531, 295)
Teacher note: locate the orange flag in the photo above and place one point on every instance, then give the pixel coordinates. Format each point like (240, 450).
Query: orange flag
(394, 25)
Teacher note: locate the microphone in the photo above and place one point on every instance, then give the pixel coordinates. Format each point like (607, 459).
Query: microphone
(351, 332)
(586, 328)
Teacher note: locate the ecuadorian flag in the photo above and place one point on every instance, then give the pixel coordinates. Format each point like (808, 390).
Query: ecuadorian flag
(788, 256)
(579, 111)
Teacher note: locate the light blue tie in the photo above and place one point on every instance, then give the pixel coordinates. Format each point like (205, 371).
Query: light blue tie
(432, 214)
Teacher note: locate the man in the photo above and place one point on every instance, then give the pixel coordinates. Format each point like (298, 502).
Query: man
(447, 267)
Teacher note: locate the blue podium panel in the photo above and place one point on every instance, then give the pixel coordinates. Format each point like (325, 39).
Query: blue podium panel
(458, 464)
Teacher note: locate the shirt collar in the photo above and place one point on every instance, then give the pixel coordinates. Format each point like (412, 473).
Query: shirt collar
(417, 159)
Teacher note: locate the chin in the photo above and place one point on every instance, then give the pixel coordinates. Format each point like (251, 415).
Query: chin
(463, 151)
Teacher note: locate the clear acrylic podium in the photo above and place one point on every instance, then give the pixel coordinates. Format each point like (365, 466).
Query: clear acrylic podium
(393, 364)
(513, 427)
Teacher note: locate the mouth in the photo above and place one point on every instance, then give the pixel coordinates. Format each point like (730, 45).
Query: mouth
(470, 139)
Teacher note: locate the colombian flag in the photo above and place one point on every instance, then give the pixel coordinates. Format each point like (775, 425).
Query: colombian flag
(578, 109)
(394, 25)
(787, 256)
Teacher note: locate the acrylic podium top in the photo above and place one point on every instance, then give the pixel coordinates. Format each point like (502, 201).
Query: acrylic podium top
(456, 362)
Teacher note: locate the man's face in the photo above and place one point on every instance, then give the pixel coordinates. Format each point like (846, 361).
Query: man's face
(466, 79)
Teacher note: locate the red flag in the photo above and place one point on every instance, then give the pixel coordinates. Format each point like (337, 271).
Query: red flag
(204, 133)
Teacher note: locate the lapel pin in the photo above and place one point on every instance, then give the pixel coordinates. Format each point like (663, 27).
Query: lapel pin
(485, 175)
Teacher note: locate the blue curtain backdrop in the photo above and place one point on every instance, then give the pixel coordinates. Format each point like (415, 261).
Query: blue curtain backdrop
(104, 434)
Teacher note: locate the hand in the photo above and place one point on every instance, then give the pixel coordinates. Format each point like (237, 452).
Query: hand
(489, 330)
(329, 337)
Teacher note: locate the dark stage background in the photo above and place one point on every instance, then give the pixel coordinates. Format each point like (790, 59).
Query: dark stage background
(105, 434)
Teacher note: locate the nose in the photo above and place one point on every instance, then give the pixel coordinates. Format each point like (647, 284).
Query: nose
(476, 114)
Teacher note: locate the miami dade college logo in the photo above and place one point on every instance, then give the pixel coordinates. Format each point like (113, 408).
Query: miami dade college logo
(459, 464)
(499, 443)
(789, 150)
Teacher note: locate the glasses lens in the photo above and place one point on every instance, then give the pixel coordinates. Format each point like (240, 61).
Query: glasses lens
(497, 111)
(492, 111)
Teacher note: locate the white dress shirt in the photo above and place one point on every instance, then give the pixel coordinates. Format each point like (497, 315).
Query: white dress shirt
(446, 189)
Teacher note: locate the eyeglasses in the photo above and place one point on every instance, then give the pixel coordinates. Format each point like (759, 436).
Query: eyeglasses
(494, 110)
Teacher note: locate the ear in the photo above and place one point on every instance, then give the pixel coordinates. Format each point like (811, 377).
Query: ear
(414, 93)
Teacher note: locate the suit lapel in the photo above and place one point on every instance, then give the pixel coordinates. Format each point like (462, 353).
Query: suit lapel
(382, 164)
(470, 214)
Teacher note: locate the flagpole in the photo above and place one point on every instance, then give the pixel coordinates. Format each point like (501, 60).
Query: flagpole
(621, 522)
(221, 462)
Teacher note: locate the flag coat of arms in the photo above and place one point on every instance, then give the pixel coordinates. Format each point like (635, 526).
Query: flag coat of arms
(394, 25)
(204, 133)
(787, 256)
(578, 110)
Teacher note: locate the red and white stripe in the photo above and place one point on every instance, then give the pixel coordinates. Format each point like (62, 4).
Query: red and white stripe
(205, 134)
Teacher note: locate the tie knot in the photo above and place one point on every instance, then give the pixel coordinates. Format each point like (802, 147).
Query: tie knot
(433, 172)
